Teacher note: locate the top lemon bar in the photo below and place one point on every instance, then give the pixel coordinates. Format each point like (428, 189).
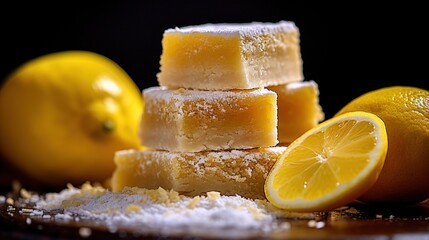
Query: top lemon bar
(229, 56)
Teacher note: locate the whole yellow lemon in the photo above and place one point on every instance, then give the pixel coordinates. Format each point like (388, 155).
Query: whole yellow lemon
(405, 112)
(64, 114)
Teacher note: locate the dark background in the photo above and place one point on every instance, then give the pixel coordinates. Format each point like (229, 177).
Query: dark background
(346, 50)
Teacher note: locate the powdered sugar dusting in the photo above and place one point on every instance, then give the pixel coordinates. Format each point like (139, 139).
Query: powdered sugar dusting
(243, 29)
(294, 86)
(183, 94)
(162, 210)
(250, 154)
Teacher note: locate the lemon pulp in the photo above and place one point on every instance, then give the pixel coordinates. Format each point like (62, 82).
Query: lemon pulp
(330, 165)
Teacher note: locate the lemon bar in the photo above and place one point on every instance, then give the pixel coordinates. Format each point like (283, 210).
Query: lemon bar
(185, 120)
(241, 172)
(231, 56)
(298, 109)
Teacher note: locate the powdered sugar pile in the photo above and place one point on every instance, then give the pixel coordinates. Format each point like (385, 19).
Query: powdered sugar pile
(162, 211)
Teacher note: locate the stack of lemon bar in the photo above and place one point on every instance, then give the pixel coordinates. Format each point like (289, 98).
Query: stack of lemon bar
(231, 97)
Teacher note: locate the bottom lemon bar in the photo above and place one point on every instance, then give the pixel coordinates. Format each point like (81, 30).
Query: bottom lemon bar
(241, 172)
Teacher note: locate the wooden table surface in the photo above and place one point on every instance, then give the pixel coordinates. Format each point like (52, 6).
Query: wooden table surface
(356, 221)
(352, 222)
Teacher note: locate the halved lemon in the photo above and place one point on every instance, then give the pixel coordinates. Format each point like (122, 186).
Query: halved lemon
(330, 165)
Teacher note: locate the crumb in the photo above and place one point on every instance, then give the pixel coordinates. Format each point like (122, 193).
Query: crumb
(85, 232)
(194, 202)
(24, 193)
(213, 195)
(10, 201)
